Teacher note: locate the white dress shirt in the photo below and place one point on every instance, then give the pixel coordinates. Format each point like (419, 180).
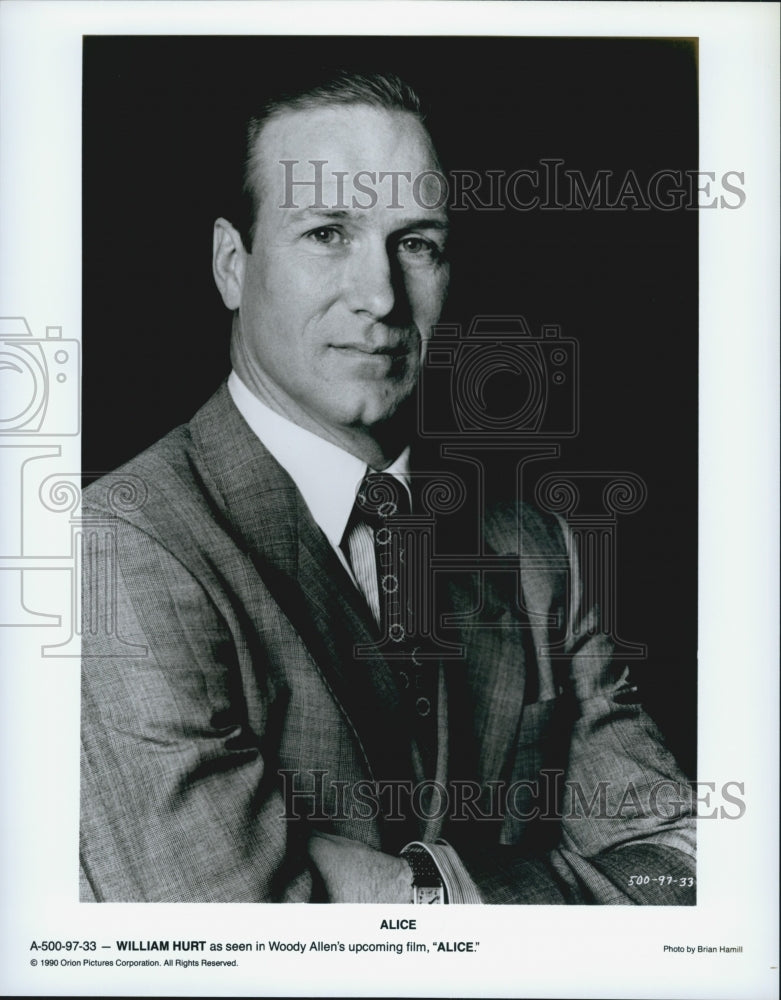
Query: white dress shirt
(327, 477)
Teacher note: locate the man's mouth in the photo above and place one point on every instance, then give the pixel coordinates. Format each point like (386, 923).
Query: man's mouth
(366, 350)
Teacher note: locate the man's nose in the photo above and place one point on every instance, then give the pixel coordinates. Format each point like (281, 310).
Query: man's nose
(372, 281)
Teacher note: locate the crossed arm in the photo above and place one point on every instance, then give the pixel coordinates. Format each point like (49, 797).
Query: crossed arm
(626, 841)
(180, 799)
(625, 819)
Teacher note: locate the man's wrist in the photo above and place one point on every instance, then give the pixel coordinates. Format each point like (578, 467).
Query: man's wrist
(428, 885)
(457, 884)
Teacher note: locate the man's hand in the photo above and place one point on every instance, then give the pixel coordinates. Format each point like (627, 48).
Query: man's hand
(355, 873)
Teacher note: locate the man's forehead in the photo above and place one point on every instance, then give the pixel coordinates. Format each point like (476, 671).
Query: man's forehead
(341, 146)
(349, 129)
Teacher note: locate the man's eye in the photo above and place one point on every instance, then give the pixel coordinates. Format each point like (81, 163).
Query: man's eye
(416, 246)
(327, 236)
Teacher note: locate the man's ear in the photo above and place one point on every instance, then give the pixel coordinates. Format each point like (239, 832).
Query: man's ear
(228, 263)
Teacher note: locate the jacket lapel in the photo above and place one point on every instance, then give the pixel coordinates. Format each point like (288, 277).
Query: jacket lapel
(296, 563)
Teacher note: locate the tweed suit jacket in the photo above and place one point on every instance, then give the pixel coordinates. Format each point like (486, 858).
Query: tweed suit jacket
(225, 715)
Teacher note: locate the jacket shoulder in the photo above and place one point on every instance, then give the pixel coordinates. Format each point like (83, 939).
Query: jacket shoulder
(168, 490)
(160, 475)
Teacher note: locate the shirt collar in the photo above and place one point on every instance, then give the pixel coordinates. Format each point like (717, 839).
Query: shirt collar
(327, 476)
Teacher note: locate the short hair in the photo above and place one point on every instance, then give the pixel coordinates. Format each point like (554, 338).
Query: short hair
(377, 90)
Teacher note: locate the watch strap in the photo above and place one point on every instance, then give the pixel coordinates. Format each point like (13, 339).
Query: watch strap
(426, 877)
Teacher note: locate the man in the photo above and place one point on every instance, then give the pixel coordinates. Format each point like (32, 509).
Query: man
(262, 738)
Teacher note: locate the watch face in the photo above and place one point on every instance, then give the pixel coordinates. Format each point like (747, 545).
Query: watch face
(428, 894)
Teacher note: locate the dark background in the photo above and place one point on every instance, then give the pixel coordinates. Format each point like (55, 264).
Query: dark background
(162, 132)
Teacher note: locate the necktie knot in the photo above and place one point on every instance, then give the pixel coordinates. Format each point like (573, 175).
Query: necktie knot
(381, 497)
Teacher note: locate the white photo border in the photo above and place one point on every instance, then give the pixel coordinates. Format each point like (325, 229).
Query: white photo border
(539, 951)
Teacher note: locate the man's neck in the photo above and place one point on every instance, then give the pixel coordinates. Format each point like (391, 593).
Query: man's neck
(378, 446)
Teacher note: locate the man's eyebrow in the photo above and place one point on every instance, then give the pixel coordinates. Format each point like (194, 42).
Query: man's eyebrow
(426, 222)
(312, 213)
(294, 214)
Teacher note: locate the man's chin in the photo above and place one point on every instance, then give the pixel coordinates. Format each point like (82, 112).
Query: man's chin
(379, 417)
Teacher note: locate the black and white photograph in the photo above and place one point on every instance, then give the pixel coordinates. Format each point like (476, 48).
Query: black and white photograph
(250, 732)
(370, 510)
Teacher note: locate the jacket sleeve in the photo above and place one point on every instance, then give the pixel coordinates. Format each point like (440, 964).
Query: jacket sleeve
(619, 825)
(178, 797)
(624, 823)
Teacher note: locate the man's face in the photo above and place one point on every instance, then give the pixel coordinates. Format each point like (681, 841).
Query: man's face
(337, 302)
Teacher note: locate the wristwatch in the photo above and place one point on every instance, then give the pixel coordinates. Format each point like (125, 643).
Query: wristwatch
(427, 885)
